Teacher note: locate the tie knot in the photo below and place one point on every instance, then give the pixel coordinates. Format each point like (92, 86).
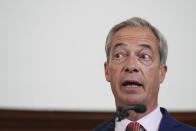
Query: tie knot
(134, 126)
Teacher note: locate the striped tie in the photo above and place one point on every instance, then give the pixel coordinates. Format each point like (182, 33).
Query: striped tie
(134, 126)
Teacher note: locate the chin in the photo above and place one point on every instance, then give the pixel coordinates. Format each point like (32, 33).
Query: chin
(131, 100)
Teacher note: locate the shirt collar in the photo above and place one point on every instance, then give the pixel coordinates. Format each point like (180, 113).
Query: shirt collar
(150, 122)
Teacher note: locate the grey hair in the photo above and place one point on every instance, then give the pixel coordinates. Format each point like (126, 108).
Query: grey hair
(139, 22)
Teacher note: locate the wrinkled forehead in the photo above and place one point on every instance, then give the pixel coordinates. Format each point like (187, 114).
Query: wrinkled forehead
(134, 33)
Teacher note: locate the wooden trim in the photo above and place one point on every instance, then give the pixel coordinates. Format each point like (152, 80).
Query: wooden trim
(23, 120)
(185, 117)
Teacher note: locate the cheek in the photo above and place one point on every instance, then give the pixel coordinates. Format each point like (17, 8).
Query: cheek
(151, 76)
(114, 76)
(151, 83)
(114, 72)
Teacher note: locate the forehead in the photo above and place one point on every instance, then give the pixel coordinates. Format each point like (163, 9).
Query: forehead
(136, 35)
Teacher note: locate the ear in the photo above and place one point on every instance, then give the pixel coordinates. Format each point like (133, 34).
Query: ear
(163, 70)
(106, 67)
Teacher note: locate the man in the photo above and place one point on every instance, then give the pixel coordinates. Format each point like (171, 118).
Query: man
(136, 65)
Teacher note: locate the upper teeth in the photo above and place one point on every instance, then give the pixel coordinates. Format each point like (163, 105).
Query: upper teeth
(131, 85)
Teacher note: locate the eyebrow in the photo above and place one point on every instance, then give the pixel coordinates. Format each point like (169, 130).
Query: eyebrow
(146, 46)
(119, 44)
(142, 45)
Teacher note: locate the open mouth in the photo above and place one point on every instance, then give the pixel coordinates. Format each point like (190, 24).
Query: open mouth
(131, 84)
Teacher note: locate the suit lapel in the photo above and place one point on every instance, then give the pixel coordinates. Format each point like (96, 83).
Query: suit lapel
(167, 122)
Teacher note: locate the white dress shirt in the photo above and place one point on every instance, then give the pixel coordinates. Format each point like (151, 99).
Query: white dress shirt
(150, 122)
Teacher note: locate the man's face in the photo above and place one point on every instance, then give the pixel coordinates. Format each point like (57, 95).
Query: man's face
(134, 69)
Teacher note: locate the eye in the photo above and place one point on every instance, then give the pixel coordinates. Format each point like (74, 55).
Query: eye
(145, 56)
(118, 55)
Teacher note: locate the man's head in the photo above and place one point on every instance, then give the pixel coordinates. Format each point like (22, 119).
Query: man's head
(136, 57)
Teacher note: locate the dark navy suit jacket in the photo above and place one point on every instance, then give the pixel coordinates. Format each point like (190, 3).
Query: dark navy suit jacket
(167, 124)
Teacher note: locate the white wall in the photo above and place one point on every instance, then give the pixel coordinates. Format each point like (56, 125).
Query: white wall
(52, 52)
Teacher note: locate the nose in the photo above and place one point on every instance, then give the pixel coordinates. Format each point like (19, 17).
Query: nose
(131, 65)
(131, 69)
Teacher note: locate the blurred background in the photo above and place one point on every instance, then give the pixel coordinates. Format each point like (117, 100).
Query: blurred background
(52, 52)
